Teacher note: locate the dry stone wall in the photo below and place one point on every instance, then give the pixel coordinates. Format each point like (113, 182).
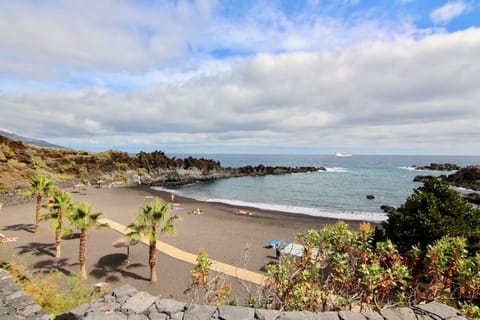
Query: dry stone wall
(127, 303)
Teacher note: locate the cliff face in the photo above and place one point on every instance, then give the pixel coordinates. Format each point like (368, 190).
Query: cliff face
(19, 162)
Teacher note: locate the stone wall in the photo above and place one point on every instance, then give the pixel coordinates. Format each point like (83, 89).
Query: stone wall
(15, 304)
(127, 303)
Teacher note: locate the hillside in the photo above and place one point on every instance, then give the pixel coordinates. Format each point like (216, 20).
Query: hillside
(36, 142)
(19, 162)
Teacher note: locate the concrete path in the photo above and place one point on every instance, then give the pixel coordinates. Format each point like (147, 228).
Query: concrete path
(176, 253)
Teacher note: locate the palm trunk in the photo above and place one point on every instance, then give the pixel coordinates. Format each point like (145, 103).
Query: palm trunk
(153, 258)
(81, 255)
(37, 213)
(58, 239)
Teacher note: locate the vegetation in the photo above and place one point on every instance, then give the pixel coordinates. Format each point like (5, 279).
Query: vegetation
(61, 206)
(341, 269)
(205, 289)
(41, 188)
(434, 210)
(430, 249)
(83, 219)
(49, 290)
(153, 219)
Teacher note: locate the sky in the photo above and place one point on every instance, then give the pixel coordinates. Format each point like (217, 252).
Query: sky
(246, 76)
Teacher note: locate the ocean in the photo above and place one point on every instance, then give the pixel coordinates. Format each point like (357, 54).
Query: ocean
(340, 192)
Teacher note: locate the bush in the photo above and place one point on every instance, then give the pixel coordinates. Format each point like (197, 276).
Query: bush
(431, 212)
(203, 289)
(339, 269)
(45, 291)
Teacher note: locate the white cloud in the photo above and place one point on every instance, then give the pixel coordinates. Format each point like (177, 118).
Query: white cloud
(416, 94)
(50, 39)
(448, 12)
(105, 34)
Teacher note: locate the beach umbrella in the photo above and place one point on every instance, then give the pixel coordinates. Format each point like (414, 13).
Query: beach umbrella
(124, 242)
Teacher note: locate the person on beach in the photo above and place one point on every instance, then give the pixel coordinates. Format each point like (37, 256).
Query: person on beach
(197, 211)
(173, 198)
(245, 212)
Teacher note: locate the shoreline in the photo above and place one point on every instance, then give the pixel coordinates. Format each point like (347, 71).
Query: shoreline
(344, 216)
(268, 213)
(238, 240)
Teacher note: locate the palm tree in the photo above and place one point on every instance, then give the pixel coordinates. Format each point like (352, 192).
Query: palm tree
(83, 219)
(61, 206)
(152, 218)
(41, 187)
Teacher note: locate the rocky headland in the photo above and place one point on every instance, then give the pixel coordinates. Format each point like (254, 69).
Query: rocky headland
(467, 177)
(19, 162)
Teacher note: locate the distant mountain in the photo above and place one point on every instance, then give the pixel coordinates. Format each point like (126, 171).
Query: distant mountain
(36, 142)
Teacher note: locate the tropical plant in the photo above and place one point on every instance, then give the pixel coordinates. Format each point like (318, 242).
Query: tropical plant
(41, 187)
(153, 219)
(207, 290)
(434, 210)
(339, 269)
(60, 207)
(53, 291)
(447, 273)
(83, 219)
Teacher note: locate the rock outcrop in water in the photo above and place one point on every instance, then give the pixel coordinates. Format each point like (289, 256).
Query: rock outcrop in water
(468, 177)
(438, 167)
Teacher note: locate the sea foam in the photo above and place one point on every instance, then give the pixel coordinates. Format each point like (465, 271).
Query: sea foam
(376, 217)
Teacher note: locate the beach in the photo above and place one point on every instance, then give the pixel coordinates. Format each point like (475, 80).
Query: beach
(226, 236)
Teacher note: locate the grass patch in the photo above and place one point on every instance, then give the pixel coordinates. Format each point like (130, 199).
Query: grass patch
(45, 289)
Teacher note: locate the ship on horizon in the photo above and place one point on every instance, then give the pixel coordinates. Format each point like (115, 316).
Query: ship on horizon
(343, 154)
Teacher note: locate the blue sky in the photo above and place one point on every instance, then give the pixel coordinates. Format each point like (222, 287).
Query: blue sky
(318, 76)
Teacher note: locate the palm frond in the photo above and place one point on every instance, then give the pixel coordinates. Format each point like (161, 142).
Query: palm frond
(48, 216)
(65, 231)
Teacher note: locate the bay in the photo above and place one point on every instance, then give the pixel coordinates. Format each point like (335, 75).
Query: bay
(340, 192)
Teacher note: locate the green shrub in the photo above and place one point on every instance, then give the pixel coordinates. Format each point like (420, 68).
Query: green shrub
(121, 177)
(38, 163)
(339, 269)
(204, 289)
(83, 172)
(121, 166)
(434, 210)
(45, 290)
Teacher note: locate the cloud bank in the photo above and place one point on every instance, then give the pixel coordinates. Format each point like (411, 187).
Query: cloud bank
(182, 77)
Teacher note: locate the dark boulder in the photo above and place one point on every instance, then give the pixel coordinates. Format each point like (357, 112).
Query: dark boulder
(387, 208)
(370, 197)
(472, 197)
(468, 177)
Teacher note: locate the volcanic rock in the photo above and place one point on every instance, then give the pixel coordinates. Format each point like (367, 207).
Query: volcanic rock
(439, 167)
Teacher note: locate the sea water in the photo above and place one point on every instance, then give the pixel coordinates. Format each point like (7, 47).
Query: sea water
(339, 192)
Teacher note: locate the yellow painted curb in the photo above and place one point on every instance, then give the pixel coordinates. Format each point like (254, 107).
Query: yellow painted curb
(179, 254)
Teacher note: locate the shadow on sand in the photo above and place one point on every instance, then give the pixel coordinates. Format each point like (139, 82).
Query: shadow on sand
(264, 268)
(46, 266)
(38, 248)
(20, 227)
(71, 236)
(108, 265)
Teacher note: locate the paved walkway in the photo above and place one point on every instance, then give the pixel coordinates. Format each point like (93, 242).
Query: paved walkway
(176, 253)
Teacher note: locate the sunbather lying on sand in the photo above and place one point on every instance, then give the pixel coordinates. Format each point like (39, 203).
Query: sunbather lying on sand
(245, 212)
(197, 211)
(4, 238)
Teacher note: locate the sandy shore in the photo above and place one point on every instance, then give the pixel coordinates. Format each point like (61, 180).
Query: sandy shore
(235, 239)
